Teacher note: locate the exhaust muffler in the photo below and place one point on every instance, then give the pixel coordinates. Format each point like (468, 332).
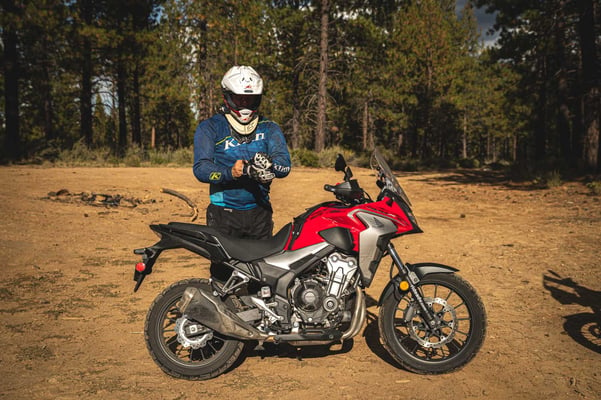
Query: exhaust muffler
(201, 305)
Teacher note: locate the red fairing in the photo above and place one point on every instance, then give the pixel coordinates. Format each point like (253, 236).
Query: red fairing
(330, 217)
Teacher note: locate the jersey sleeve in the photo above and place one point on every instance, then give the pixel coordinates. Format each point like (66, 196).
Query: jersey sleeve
(205, 169)
(278, 151)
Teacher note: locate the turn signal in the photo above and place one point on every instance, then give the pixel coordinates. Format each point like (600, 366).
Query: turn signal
(404, 285)
(140, 267)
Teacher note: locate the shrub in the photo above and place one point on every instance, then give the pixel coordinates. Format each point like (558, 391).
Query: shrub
(183, 157)
(133, 156)
(469, 163)
(82, 155)
(304, 157)
(157, 157)
(553, 179)
(594, 187)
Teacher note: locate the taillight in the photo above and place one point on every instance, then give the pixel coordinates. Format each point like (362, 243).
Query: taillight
(140, 267)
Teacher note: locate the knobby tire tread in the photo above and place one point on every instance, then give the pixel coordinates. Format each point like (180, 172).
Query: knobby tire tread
(157, 360)
(465, 357)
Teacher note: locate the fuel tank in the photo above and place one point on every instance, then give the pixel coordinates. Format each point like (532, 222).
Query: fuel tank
(313, 226)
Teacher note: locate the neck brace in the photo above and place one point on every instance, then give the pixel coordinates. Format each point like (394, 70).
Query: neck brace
(241, 128)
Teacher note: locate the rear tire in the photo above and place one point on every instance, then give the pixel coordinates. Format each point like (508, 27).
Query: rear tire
(419, 349)
(216, 354)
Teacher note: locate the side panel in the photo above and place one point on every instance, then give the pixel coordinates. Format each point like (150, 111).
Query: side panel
(286, 259)
(338, 237)
(279, 271)
(372, 241)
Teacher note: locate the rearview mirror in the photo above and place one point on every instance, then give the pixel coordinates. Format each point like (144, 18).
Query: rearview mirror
(340, 164)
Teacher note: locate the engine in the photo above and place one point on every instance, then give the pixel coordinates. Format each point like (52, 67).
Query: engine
(319, 297)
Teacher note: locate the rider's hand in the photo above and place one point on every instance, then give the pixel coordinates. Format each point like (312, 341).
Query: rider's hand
(261, 161)
(238, 169)
(259, 168)
(257, 174)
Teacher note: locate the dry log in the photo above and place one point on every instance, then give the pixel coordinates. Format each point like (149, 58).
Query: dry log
(184, 198)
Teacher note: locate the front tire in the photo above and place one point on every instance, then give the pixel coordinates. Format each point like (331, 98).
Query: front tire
(204, 356)
(449, 346)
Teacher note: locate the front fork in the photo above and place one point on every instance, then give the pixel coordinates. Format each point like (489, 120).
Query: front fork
(412, 279)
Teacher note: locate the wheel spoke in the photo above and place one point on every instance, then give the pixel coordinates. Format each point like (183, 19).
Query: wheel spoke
(400, 324)
(210, 344)
(463, 333)
(453, 339)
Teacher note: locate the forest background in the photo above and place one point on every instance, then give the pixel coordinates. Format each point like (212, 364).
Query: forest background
(127, 81)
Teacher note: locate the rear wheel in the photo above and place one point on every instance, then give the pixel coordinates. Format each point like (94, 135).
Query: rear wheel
(452, 343)
(182, 347)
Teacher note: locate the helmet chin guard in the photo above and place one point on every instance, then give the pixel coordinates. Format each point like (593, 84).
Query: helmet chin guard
(242, 91)
(242, 129)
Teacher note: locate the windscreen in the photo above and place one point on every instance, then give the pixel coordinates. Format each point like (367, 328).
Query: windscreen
(391, 182)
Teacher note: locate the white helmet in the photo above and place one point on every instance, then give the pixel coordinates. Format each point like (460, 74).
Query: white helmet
(242, 91)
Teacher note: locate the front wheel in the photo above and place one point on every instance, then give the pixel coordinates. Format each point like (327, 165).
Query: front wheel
(182, 347)
(456, 337)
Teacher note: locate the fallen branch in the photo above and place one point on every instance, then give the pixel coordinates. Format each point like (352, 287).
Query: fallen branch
(184, 198)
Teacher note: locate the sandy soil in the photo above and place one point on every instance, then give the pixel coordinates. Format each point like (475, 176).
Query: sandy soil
(71, 326)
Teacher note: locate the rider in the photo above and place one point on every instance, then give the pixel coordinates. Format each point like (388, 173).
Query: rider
(238, 153)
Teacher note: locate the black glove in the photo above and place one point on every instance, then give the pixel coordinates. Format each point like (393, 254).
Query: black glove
(259, 168)
(261, 161)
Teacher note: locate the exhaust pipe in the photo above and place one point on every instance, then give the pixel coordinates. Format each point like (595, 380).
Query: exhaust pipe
(358, 316)
(200, 305)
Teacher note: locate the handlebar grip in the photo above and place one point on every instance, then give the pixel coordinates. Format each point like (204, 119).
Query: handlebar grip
(329, 188)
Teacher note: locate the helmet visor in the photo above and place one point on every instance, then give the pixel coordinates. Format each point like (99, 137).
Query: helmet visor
(248, 101)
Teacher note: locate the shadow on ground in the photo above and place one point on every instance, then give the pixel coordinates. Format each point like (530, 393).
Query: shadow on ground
(585, 327)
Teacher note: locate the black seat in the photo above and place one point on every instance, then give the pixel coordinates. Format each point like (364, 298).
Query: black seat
(240, 249)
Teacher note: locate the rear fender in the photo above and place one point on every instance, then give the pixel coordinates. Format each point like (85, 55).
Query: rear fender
(420, 270)
(174, 236)
(149, 257)
(150, 254)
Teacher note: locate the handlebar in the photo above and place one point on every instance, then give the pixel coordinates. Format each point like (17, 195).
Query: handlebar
(329, 188)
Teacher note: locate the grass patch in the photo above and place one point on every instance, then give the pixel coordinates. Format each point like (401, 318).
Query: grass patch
(5, 294)
(105, 290)
(35, 353)
(594, 187)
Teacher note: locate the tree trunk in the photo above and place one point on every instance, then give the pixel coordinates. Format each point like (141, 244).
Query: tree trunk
(540, 130)
(563, 116)
(121, 79)
(205, 105)
(577, 124)
(136, 130)
(590, 85)
(85, 101)
(464, 137)
(296, 141)
(49, 132)
(514, 147)
(12, 141)
(46, 90)
(320, 136)
(85, 97)
(365, 126)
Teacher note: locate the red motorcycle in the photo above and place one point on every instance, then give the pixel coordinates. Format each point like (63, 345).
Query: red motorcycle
(305, 286)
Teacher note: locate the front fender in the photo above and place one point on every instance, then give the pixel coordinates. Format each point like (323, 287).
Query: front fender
(420, 270)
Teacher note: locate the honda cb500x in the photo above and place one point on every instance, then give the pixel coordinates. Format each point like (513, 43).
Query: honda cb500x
(305, 286)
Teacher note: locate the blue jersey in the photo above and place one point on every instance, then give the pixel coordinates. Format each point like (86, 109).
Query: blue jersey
(216, 150)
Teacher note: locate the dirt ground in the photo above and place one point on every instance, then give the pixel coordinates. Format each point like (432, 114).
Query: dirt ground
(71, 326)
